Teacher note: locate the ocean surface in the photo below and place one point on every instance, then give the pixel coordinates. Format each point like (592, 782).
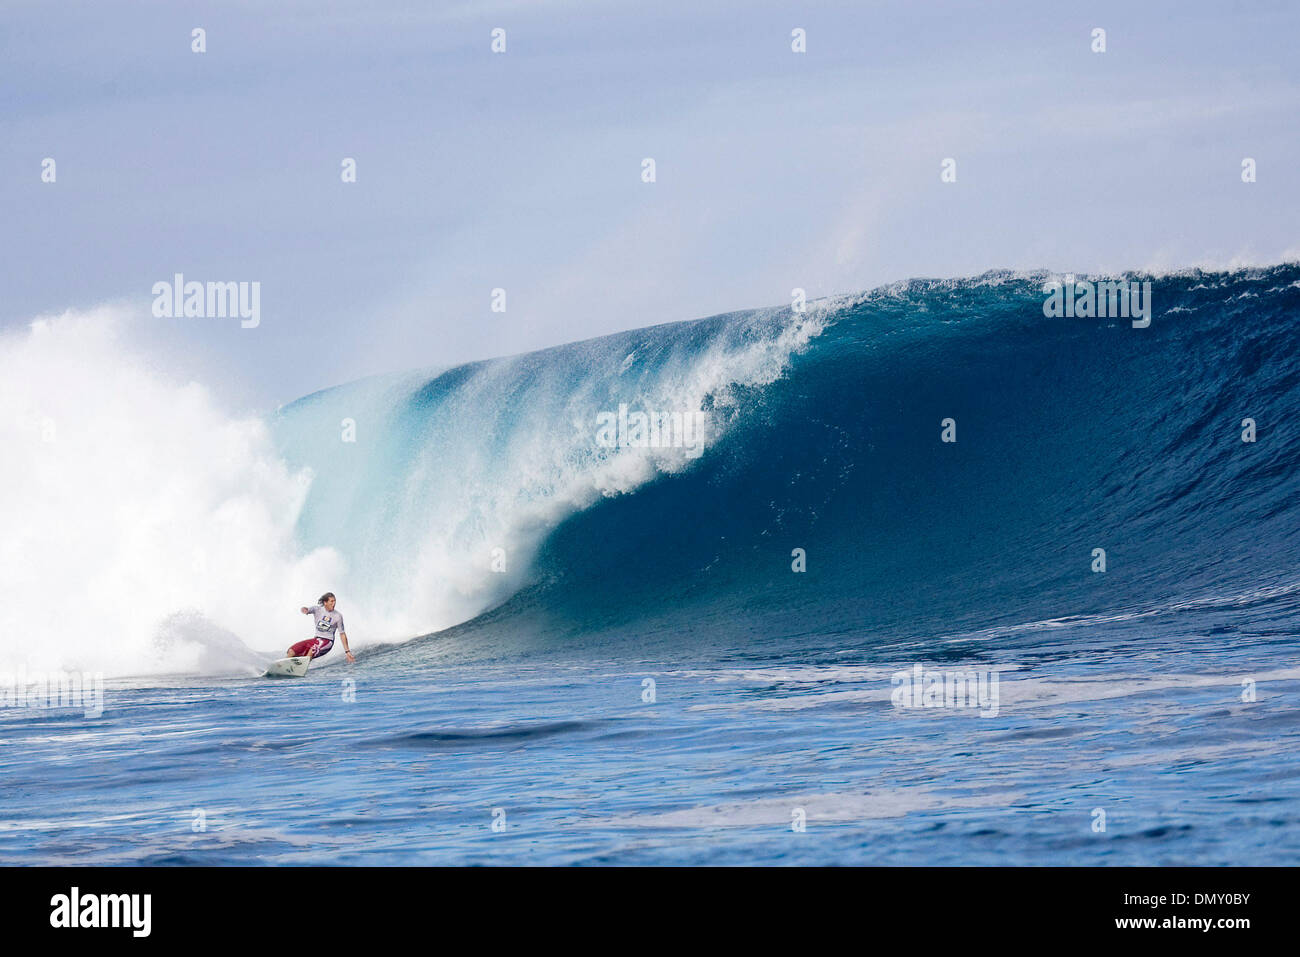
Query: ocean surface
(573, 650)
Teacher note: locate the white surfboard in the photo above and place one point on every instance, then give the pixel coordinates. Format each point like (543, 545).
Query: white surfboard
(288, 667)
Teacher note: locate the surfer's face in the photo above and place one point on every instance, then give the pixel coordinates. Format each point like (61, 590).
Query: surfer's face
(329, 604)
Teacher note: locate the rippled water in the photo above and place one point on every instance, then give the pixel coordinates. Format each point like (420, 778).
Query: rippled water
(1140, 719)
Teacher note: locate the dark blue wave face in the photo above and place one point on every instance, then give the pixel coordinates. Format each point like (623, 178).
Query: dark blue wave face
(1072, 434)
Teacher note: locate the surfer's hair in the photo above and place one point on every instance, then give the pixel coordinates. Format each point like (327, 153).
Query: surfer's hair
(324, 598)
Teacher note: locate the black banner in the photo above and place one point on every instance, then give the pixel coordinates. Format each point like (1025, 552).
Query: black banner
(942, 906)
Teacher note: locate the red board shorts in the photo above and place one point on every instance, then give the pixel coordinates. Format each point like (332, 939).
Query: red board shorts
(312, 647)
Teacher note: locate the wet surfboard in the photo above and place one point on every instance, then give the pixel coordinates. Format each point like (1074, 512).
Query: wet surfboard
(288, 667)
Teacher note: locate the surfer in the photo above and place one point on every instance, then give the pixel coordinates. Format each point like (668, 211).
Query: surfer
(328, 621)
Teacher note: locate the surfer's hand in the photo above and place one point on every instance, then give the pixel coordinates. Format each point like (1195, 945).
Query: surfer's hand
(305, 611)
(351, 657)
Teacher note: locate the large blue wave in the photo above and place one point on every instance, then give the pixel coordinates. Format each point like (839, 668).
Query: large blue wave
(1072, 434)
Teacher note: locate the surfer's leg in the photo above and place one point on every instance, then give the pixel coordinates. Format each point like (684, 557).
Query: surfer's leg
(301, 648)
(323, 646)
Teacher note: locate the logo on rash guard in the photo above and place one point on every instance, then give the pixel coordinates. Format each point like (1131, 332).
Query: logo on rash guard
(325, 624)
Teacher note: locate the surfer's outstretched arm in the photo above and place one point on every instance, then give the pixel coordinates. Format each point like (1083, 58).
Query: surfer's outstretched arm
(347, 651)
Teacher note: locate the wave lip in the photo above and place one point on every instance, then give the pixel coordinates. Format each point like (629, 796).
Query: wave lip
(1074, 435)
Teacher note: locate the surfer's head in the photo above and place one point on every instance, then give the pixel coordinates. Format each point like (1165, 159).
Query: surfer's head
(327, 600)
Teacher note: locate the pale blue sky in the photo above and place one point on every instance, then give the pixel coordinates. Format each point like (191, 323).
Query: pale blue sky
(522, 170)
